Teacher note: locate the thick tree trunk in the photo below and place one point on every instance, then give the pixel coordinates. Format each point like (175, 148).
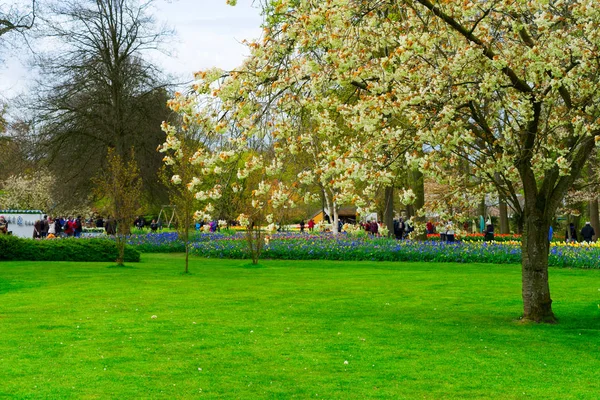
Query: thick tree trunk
(537, 304)
(594, 219)
(504, 229)
(120, 250)
(519, 220)
(482, 209)
(410, 211)
(388, 215)
(577, 221)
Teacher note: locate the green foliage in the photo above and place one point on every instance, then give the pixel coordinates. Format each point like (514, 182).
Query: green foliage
(120, 184)
(228, 231)
(284, 331)
(80, 249)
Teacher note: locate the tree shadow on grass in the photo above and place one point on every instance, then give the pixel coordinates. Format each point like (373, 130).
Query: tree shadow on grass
(116, 266)
(251, 266)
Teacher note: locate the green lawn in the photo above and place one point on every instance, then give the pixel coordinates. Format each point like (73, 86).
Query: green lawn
(287, 329)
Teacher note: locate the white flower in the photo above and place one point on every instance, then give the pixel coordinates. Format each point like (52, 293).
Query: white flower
(272, 227)
(201, 195)
(564, 166)
(346, 362)
(243, 219)
(408, 197)
(176, 179)
(154, 317)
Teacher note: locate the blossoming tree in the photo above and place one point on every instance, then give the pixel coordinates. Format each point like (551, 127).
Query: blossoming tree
(510, 86)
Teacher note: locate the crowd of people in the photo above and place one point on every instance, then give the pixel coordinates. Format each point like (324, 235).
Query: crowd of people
(53, 227)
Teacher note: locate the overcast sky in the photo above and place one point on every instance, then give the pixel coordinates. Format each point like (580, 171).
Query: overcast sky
(209, 33)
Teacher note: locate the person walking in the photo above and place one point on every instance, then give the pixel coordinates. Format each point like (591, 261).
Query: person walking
(69, 227)
(449, 232)
(37, 229)
(587, 232)
(489, 231)
(78, 227)
(110, 226)
(571, 235)
(374, 228)
(44, 227)
(429, 227)
(51, 228)
(58, 228)
(3, 225)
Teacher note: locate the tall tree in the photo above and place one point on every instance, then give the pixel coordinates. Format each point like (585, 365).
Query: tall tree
(456, 68)
(15, 18)
(98, 90)
(120, 185)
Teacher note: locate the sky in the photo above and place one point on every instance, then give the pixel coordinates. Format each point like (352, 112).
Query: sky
(208, 34)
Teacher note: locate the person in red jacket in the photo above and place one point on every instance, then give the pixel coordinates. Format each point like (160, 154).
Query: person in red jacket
(70, 227)
(311, 225)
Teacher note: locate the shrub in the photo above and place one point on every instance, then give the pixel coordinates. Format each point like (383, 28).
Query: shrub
(71, 249)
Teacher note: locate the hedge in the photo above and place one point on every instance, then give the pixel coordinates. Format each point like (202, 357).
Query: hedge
(13, 248)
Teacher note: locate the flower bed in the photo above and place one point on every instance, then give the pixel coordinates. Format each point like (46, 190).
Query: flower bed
(168, 242)
(324, 246)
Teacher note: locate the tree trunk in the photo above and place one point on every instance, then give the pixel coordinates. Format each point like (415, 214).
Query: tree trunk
(482, 208)
(519, 220)
(504, 229)
(410, 211)
(255, 240)
(594, 220)
(577, 220)
(418, 187)
(537, 304)
(388, 215)
(186, 237)
(120, 250)
(187, 254)
(333, 215)
(336, 220)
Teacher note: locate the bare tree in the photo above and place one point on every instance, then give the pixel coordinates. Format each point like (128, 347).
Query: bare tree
(97, 90)
(16, 19)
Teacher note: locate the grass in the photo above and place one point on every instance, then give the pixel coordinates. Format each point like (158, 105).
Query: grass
(285, 330)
